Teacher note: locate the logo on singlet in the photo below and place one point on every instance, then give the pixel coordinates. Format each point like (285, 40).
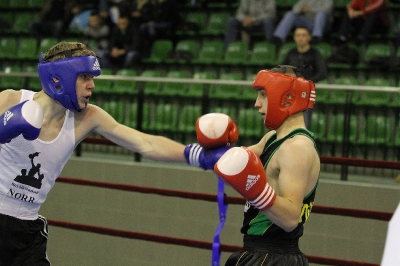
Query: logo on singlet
(7, 116)
(251, 180)
(33, 177)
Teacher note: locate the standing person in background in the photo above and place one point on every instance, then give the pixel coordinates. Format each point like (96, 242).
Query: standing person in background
(278, 176)
(124, 44)
(309, 58)
(39, 134)
(252, 16)
(315, 15)
(363, 17)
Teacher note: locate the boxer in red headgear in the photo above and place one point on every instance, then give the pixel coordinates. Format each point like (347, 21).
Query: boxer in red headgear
(278, 176)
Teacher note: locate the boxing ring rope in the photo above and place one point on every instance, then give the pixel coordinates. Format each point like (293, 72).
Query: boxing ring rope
(366, 214)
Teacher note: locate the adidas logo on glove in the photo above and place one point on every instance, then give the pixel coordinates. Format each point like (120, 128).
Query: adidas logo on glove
(7, 116)
(96, 65)
(251, 180)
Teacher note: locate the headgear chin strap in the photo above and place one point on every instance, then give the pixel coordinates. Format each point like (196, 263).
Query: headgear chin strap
(66, 71)
(287, 95)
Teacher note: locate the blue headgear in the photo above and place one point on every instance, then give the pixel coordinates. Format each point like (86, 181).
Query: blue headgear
(66, 71)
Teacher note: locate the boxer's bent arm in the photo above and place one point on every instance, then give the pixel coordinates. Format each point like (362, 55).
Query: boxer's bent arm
(150, 146)
(9, 98)
(295, 159)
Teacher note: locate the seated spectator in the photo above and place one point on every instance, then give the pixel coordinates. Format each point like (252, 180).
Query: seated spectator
(141, 11)
(80, 17)
(310, 59)
(363, 17)
(54, 19)
(315, 15)
(124, 44)
(252, 16)
(166, 17)
(97, 33)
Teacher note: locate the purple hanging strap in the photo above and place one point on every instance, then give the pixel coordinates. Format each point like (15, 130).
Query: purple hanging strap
(222, 208)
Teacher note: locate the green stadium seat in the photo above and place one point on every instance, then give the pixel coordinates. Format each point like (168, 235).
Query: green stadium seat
(45, 44)
(226, 91)
(397, 135)
(8, 48)
(104, 85)
(211, 52)
(12, 82)
(188, 117)
(7, 18)
(324, 48)
(285, 3)
(196, 90)
(373, 98)
(283, 51)
(115, 109)
(339, 96)
(17, 4)
(166, 118)
(377, 50)
(159, 51)
(34, 82)
(27, 49)
(249, 123)
(263, 54)
(198, 18)
(131, 117)
(318, 126)
(125, 86)
(5, 3)
(236, 53)
(35, 4)
(152, 88)
(21, 23)
(189, 46)
(335, 128)
(175, 89)
(216, 23)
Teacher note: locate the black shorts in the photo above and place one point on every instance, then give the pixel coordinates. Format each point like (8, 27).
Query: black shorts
(23, 242)
(257, 252)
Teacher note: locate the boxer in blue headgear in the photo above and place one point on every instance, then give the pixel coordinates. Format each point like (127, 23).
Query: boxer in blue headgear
(58, 76)
(38, 133)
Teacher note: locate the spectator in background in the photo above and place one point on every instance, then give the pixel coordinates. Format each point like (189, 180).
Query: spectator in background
(310, 59)
(363, 16)
(55, 16)
(252, 16)
(166, 17)
(141, 11)
(124, 44)
(80, 17)
(96, 37)
(315, 15)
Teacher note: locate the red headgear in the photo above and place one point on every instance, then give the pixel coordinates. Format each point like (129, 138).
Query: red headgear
(287, 95)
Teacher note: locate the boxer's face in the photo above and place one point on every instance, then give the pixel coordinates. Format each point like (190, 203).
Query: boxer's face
(261, 102)
(84, 87)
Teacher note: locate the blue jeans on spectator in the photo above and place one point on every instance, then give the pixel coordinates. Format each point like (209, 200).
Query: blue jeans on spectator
(316, 27)
(233, 24)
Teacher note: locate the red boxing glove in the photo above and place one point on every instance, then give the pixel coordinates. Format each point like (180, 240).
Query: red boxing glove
(242, 169)
(216, 130)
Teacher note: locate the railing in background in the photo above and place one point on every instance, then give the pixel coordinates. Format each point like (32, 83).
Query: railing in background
(205, 101)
